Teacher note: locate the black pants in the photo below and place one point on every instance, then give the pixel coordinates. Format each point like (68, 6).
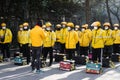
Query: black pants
(57, 46)
(46, 51)
(62, 48)
(70, 53)
(5, 50)
(78, 48)
(36, 52)
(96, 54)
(116, 48)
(84, 50)
(26, 52)
(107, 51)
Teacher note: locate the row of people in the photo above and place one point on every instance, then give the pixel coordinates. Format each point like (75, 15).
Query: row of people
(67, 36)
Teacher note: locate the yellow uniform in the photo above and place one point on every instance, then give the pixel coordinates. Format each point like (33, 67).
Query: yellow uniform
(98, 38)
(50, 39)
(71, 40)
(37, 35)
(7, 35)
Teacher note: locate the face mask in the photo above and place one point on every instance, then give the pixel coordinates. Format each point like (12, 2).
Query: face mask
(83, 30)
(21, 29)
(63, 26)
(25, 27)
(69, 28)
(106, 28)
(115, 28)
(3, 27)
(76, 29)
(95, 27)
(48, 28)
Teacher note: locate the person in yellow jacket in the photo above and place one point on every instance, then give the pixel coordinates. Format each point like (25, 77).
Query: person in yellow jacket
(84, 40)
(63, 35)
(37, 36)
(77, 29)
(116, 39)
(71, 40)
(19, 39)
(108, 48)
(5, 40)
(25, 41)
(49, 42)
(98, 35)
(58, 38)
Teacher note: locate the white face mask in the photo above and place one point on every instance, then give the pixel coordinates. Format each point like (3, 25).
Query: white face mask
(95, 27)
(4, 27)
(76, 29)
(115, 28)
(25, 27)
(82, 29)
(48, 28)
(63, 26)
(69, 28)
(106, 28)
(21, 29)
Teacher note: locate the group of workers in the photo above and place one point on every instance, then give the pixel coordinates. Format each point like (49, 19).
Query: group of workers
(66, 38)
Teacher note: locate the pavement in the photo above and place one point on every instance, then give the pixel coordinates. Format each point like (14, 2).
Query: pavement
(9, 71)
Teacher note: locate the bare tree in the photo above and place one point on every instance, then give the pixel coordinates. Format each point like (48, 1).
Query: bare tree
(115, 9)
(108, 11)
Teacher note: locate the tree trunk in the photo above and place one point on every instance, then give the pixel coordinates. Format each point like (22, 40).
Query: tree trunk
(87, 11)
(108, 11)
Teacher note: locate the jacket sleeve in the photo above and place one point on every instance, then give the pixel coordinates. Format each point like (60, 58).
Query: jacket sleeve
(53, 38)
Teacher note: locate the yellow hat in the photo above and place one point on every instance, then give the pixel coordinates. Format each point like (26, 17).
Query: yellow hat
(77, 26)
(43, 26)
(70, 24)
(106, 24)
(21, 26)
(58, 25)
(25, 24)
(86, 25)
(64, 23)
(116, 25)
(96, 23)
(3, 24)
(48, 24)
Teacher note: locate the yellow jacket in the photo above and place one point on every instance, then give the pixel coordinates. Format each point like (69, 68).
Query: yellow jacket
(7, 34)
(71, 39)
(116, 36)
(37, 35)
(108, 37)
(58, 35)
(78, 32)
(85, 38)
(25, 37)
(19, 36)
(63, 35)
(50, 39)
(98, 38)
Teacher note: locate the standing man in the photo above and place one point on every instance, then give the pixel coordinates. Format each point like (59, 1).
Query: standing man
(84, 40)
(37, 36)
(5, 40)
(58, 38)
(19, 37)
(71, 40)
(98, 35)
(49, 43)
(63, 36)
(116, 39)
(77, 29)
(108, 49)
(25, 41)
